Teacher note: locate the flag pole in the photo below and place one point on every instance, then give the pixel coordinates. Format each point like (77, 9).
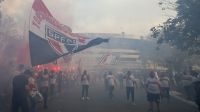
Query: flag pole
(27, 39)
(25, 48)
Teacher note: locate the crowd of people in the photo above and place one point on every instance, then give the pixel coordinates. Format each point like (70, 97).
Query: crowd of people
(156, 88)
(31, 87)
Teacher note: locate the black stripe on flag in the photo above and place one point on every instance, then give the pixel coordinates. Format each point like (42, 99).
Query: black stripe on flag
(40, 50)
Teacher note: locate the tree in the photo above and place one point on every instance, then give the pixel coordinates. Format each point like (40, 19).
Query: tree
(182, 31)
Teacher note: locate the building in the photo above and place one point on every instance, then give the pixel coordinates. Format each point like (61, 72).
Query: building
(118, 54)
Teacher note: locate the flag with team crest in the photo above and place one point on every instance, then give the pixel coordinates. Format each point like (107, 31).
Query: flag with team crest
(50, 40)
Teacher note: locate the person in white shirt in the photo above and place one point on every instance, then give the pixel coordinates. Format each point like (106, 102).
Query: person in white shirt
(156, 75)
(85, 80)
(153, 91)
(45, 87)
(105, 81)
(33, 89)
(111, 84)
(165, 87)
(53, 78)
(130, 85)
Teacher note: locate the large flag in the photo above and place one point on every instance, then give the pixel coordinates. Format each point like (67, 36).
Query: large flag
(50, 40)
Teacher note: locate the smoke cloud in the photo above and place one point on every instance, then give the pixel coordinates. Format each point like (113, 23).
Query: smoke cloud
(134, 17)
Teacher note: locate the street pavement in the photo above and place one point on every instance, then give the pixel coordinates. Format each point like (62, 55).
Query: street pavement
(69, 101)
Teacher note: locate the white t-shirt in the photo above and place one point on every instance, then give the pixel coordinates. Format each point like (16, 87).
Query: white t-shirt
(85, 80)
(53, 80)
(130, 81)
(45, 81)
(31, 80)
(111, 80)
(156, 75)
(32, 86)
(164, 82)
(153, 85)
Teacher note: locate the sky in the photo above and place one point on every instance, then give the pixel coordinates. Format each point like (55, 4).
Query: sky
(134, 17)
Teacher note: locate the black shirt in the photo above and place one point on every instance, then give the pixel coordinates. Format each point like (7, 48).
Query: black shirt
(19, 86)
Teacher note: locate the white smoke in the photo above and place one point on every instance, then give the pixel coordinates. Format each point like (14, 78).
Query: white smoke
(16, 8)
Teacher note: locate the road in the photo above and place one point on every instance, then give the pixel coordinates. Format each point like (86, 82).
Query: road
(69, 101)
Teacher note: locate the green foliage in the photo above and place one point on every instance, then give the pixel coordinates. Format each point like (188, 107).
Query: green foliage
(183, 31)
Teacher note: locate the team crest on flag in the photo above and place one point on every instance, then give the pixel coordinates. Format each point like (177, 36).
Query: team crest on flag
(50, 40)
(59, 42)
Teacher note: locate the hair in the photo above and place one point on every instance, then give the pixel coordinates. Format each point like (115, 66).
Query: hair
(45, 71)
(129, 73)
(52, 71)
(84, 72)
(28, 72)
(152, 74)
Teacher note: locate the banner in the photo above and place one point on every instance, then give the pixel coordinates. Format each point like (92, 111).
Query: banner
(50, 40)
